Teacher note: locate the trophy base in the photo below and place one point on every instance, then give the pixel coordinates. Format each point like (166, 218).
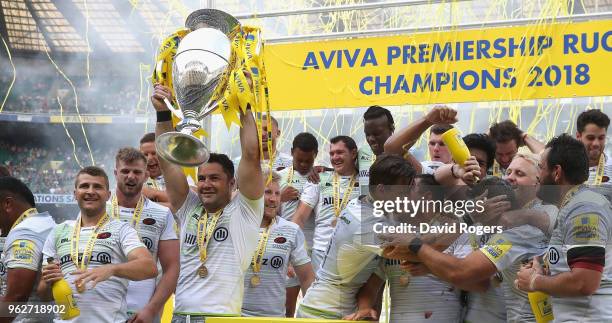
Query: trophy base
(182, 149)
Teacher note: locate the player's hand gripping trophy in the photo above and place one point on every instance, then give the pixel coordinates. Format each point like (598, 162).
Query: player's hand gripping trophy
(200, 66)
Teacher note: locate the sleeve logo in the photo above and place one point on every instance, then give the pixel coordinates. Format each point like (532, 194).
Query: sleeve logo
(23, 251)
(586, 227)
(496, 248)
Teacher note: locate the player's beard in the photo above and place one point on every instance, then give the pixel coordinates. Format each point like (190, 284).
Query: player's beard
(549, 191)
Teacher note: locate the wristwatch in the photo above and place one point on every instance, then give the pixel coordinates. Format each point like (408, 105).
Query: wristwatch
(415, 245)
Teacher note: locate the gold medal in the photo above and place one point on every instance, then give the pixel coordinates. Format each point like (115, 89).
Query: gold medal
(404, 280)
(334, 222)
(202, 271)
(255, 280)
(80, 288)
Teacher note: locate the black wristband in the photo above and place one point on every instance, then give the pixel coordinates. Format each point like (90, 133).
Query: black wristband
(415, 245)
(163, 116)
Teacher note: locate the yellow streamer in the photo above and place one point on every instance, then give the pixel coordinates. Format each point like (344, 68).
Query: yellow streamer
(76, 158)
(8, 92)
(76, 103)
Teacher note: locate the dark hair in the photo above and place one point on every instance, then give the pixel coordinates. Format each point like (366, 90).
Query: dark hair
(149, 137)
(571, 155)
(92, 171)
(440, 128)
(129, 155)
(224, 161)
(4, 171)
(305, 141)
(483, 142)
(428, 183)
(348, 141)
(495, 186)
(376, 111)
(505, 131)
(10, 185)
(389, 168)
(594, 116)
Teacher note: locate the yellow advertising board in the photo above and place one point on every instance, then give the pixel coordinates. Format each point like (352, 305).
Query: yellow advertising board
(510, 63)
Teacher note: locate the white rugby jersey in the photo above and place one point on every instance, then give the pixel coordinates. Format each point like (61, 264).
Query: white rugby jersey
(321, 198)
(229, 256)
(347, 265)
(365, 159)
(156, 224)
(23, 248)
(585, 221)
(285, 246)
(489, 306)
(426, 299)
(507, 251)
(107, 301)
(298, 181)
(607, 175)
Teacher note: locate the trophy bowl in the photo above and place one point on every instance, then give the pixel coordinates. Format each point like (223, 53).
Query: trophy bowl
(201, 62)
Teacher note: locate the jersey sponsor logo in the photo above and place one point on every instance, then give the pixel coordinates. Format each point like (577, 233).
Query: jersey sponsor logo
(190, 238)
(64, 240)
(280, 240)
(149, 221)
(345, 220)
(392, 262)
(66, 259)
(23, 251)
(103, 258)
(330, 200)
(99, 257)
(104, 235)
(147, 242)
(497, 248)
(586, 227)
(553, 255)
(276, 262)
(364, 173)
(220, 234)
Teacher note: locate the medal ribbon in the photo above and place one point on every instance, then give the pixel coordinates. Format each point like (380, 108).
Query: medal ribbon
(568, 196)
(290, 175)
(261, 248)
(600, 171)
(74, 243)
(23, 216)
(338, 206)
(205, 232)
(137, 211)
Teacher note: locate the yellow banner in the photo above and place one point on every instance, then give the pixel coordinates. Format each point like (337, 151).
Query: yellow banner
(511, 63)
(84, 119)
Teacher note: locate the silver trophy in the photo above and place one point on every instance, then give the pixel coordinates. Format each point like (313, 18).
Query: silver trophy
(202, 59)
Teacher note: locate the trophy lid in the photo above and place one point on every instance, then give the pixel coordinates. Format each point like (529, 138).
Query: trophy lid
(211, 18)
